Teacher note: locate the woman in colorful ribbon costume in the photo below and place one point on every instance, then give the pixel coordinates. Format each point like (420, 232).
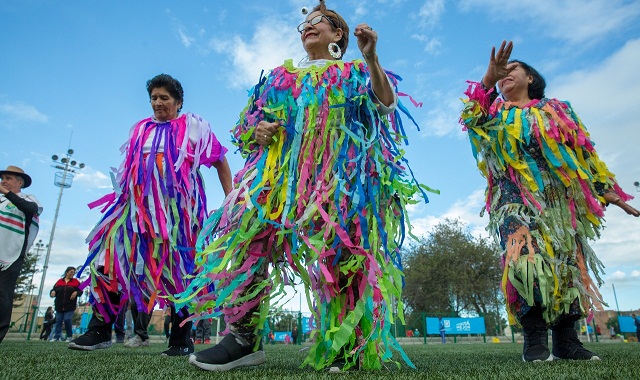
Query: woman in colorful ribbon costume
(321, 198)
(143, 247)
(546, 194)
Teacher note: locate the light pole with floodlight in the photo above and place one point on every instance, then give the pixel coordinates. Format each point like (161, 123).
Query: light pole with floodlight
(62, 180)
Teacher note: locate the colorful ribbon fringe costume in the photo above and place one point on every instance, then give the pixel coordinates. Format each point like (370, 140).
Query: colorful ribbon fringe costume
(326, 203)
(143, 246)
(544, 198)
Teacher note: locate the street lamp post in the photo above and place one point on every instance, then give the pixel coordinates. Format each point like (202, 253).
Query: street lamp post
(616, 298)
(62, 180)
(37, 248)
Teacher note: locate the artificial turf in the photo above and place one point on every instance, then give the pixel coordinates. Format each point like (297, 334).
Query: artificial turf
(21, 359)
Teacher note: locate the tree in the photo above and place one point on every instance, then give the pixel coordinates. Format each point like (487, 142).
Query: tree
(25, 285)
(282, 320)
(451, 272)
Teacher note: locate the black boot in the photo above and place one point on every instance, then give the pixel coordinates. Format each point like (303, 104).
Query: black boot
(536, 343)
(566, 344)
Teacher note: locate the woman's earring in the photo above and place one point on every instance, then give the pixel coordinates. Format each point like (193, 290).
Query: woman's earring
(335, 50)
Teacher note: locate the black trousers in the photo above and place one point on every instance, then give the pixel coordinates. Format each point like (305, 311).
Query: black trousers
(140, 321)
(46, 331)
(180, 335)
(8, 279)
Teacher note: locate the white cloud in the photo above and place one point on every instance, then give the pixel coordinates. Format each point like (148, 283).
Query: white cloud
(94, 179)
(271, 43)
(20, 112)
(431, 45)
(635, 273)
(430, 13)
(604, 98)
(360, 11)
(443, 112)
(574, 21)
(617, 275)
(466, 210)
(184, 38)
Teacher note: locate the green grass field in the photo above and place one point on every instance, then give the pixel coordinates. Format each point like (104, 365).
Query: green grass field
(44, 360)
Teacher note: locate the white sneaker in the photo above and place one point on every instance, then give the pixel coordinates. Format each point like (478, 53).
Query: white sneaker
(68, 340)
(136, 341)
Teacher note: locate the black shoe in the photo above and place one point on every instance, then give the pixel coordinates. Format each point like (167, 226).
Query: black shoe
(178, 350)
(226, 355)
(536, 338)
(566, 345)
(91, 340)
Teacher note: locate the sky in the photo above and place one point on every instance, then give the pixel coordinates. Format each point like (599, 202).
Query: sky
(73, 74)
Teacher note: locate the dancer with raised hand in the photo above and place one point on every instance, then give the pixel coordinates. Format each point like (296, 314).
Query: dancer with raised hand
(547, 191)
(322, 198)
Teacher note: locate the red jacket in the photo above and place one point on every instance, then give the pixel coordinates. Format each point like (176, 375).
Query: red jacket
(63, 291)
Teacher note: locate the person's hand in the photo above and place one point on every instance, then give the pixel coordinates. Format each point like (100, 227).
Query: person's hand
(265, 131)
(3, 189)
(52, 293)
(73, 295)
(367, 40)
(615, 199)
(498, 64)
(628, 208)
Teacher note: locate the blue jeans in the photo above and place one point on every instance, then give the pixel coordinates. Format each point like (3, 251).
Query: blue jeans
(64, 316)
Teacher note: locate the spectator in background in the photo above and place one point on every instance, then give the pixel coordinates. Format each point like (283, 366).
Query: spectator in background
(443, 331)
(203, 331)
(166, 313)
(47, 323)
(294, 334)
(18, 230)
(65, 291)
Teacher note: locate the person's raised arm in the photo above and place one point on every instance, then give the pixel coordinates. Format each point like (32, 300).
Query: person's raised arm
(367, 40)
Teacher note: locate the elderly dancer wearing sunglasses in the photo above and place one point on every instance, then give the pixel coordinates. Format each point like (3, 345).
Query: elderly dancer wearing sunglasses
(321, 198)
